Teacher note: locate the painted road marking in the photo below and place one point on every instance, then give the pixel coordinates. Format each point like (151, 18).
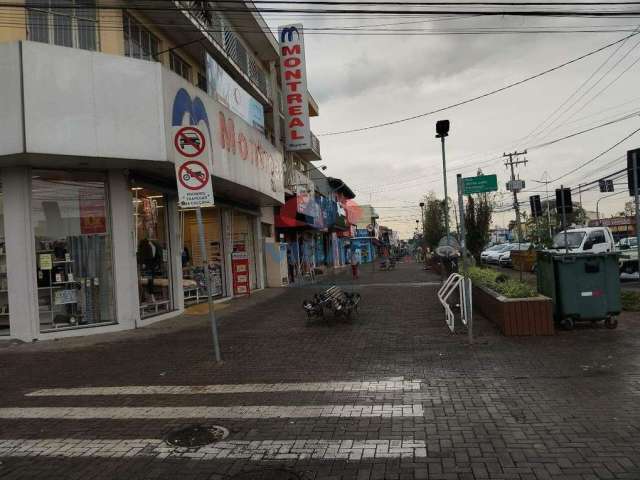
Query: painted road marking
(248, 411)
(381, 386)
(253, 450)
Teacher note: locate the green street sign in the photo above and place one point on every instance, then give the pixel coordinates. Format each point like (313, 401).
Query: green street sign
(479, 184)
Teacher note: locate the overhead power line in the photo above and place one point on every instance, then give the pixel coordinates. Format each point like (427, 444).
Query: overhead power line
(470, 167)
(596, 157)
(304, 11)
(537, 131)
(425, 4)
(484, 95)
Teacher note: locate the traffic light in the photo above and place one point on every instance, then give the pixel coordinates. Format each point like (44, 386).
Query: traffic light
(563, 196)
(442, 128)
(605, 185)
(631, 154)
(536, 206)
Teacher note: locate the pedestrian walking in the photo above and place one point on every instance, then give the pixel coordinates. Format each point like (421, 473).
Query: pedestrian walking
(355, 262)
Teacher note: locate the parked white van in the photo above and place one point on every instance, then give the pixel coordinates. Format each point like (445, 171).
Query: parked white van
(584, 240)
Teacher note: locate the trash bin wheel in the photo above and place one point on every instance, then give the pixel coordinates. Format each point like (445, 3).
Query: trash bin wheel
(568, 323)
(611, 323)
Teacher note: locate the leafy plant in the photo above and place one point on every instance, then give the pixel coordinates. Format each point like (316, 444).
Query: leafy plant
(434, 227)
(630, 301)
(477, 221)
(500, 283)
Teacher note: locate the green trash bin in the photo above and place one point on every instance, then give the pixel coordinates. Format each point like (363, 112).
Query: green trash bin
(583, 286)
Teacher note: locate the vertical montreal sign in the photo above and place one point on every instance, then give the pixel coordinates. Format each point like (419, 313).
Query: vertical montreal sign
(294, 84)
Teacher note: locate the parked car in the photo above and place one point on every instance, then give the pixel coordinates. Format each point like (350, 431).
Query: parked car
(505, 258)
(584, 240)
(628, 261)
(493, 255)
(486, 251)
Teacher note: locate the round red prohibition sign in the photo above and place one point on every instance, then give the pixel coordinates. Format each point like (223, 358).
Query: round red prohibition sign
(193, 175)
(189, 142)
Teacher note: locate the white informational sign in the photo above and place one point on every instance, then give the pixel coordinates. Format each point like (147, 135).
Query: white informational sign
(294, 84)
(515, 185)
(192, 169)
(227, 91)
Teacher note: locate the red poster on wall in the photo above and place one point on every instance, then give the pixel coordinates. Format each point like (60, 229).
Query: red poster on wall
(93, 218)
(240, 270)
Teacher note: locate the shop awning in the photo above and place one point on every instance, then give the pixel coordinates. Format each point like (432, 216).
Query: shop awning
(300, 211)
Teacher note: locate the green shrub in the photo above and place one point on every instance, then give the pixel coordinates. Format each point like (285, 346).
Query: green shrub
(500, 283)
(630, 301)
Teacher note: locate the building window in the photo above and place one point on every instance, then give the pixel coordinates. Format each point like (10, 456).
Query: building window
(138, 41)
(179, 66)
(73, 250)
(202, 82)
(71, 23)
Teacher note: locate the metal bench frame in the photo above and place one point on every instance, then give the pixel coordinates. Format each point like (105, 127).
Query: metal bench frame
(341, 303)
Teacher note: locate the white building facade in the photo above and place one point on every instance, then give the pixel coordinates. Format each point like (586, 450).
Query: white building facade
(89, 199)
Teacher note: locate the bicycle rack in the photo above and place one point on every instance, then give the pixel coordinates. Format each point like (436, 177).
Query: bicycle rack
(454, 281)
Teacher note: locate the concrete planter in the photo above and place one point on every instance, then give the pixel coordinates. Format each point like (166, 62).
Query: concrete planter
(515, 316)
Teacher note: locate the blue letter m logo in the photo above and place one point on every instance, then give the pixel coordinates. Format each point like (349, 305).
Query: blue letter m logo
(288, 34)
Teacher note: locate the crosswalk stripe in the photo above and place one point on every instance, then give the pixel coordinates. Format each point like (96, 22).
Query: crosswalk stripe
(250, 450)
(374, 386)
(248, 411)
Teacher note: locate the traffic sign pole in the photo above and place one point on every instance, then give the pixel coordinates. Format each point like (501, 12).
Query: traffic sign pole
(463, 244)
(195, 191)
(207, 279)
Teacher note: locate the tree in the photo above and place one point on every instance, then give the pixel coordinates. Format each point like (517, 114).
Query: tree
(477, 221)
(539, 229)
(434, 228)
(629, 210)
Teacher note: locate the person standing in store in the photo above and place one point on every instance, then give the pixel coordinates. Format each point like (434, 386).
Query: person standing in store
(355, 262)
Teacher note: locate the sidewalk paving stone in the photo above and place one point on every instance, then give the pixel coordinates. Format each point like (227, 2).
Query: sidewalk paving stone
(515, 408)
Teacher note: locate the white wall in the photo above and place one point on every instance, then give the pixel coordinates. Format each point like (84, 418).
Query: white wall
(21, 257)
(85, 103)
(124, 257)
(11, 133)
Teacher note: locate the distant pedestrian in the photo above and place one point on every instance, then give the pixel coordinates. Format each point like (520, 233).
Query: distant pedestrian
(355, 261)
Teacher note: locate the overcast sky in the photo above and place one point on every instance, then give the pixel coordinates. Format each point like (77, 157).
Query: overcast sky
(362, 80)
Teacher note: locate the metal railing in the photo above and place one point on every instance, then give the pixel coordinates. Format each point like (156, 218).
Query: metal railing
(454, 281)
(212, 23)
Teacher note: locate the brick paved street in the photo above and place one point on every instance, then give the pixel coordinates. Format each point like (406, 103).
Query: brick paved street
(391, 395)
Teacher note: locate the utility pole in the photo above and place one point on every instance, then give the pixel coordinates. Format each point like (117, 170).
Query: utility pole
(514, 163)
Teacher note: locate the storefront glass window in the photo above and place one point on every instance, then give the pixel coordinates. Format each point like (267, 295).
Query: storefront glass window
(4, 294)
(193, 279)
(73, 249)
(152, 240)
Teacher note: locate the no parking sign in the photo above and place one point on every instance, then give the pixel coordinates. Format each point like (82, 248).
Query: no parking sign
(192, 169)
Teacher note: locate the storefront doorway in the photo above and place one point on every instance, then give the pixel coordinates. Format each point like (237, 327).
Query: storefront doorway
(194, 282)
(151, 231)
(244, 241)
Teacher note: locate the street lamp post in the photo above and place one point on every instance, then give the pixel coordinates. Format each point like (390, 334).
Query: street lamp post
(424, 237)
(442, 131)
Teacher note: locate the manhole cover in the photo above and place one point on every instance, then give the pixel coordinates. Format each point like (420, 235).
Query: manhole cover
(197, 436)
(266, 474)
